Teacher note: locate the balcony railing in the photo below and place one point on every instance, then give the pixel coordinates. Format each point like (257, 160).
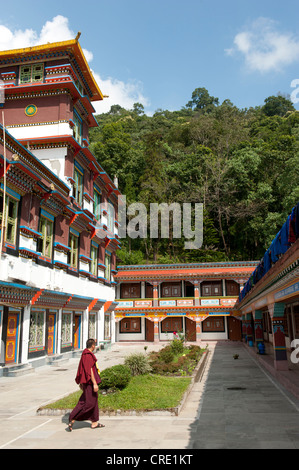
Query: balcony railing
(176, 302)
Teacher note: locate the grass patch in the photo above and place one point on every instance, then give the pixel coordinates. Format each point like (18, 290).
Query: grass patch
(144, 392)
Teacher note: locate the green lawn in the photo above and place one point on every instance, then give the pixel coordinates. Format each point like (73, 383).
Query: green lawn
(144, 392)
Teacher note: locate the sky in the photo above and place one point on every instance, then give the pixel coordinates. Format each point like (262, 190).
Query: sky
(157, 52)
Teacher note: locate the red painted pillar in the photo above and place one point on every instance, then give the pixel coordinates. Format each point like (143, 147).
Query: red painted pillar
(276, 312)
(156, 331)
(249, 330)
(258, 327)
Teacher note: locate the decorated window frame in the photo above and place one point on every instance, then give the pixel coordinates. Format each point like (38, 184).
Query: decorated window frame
(130, 325)
(67, 329)
(108, 266)
(94, 254)
(37, 330)
(31, 73)
(78, 127)
(78, 185)
(213, 324)
(73, 255)
(46, 229)
(11, 210)
(97, 203)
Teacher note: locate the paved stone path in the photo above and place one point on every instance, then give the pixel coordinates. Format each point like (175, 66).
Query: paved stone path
(259, 415)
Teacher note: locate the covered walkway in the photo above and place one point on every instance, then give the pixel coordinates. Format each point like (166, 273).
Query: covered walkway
(243, 406)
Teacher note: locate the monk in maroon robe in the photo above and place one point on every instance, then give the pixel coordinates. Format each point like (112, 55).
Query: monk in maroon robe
(88, 378)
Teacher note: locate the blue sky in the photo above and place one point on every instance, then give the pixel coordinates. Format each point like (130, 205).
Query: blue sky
(158, 51)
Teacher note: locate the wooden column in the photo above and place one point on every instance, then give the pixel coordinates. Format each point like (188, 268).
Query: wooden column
(198, 330)
(196, 284)
(156, 331)
(155, 285)
(276, 312)
(249, 330)
(258, 327)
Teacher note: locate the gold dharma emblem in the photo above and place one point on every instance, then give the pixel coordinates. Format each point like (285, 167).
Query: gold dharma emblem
(31, 110)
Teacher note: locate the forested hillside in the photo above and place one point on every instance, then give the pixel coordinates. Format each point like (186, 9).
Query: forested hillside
(242, 164)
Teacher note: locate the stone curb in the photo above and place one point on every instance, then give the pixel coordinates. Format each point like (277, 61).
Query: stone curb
(196, 376)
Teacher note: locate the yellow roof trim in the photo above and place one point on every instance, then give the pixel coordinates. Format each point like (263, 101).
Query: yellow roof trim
(72, 44)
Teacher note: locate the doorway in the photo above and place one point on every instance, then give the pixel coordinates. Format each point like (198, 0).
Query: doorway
(51, 322)
(190, 330)
(149, 330)
(234, 329)
(12, 337)
(77, 331)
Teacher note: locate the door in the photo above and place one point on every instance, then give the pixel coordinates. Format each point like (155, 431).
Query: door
(190, 330)
(11, 350)
(234, 329)
(149, 333)
(51, 333)
(77, 332)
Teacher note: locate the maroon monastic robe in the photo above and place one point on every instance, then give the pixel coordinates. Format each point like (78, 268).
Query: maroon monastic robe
(87, 362)
(87, 407)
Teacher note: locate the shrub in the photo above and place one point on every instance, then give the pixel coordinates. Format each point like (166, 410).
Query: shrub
(177, 346)
(195, 352)
(115, 377)
(166, 355)
(138, 364)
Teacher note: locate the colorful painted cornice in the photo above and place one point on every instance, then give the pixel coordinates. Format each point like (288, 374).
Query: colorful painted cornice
(201, 271)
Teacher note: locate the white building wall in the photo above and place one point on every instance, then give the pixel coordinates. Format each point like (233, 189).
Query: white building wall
(22, 270)
(26, 270)
(41, 130)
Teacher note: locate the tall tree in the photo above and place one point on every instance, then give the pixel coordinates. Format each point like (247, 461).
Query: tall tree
(202, 101)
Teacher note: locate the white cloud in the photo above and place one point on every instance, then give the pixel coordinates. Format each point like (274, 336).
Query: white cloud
(265, 48)
(119, 92)
(52, 31)
(58, 29)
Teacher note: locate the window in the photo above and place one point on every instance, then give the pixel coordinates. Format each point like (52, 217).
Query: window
(130, 325)
(108, 267)
(171, 325)
(92, 326)
(94, 259)
(130, 291)
(78, 128)
(78, 184)
(80, 87)
(149, 291)
(215, 324)
(96, 204)
(66, 329)
(107, 334)
(37, 328)
(31, 73)
(73, 253)
(45, 242)
(232, 288)
(171, 289)
(211, 288)
(10, 218)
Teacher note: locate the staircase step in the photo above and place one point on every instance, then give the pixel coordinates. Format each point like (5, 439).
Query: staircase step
(57, 360)
(17, 370)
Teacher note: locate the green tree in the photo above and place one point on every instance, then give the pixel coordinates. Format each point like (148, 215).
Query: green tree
(277, 106)
(202, 101)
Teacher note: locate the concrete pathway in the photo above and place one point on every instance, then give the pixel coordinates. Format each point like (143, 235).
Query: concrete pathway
(260, 415)
(241, 406)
